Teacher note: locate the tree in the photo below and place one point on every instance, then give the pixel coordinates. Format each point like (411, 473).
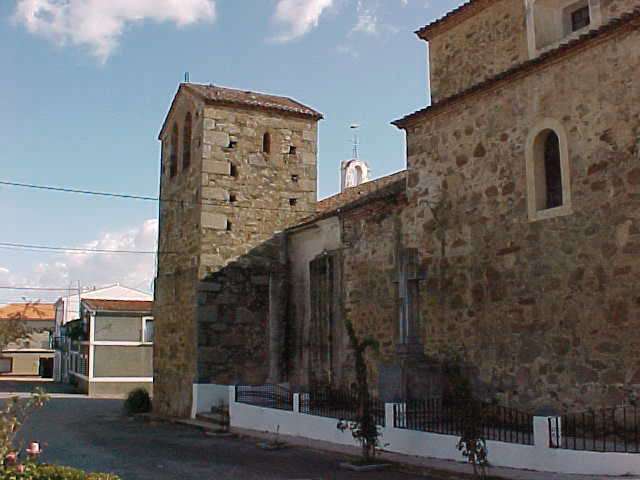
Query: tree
(15, 328)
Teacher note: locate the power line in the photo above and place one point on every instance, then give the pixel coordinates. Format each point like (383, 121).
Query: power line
(23, 246)
(43, 289)
(128, 196)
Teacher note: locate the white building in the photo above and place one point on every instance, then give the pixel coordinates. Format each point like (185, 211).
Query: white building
(67, 309)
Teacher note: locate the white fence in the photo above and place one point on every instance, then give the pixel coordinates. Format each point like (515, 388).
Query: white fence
(540, 456)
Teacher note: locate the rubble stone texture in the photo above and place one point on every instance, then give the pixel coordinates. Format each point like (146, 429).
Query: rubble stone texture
(543, 311)
(219, 218)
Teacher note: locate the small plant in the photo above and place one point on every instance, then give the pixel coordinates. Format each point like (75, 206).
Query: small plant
(138, 401)
(472, 443)
(364, 428)
(33, 471)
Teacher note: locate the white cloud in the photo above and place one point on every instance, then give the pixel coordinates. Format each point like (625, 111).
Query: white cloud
(99, 24)
(367, 20)
(298, 17)
(94, 269)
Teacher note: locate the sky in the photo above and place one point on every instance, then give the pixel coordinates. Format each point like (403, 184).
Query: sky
(86, 85)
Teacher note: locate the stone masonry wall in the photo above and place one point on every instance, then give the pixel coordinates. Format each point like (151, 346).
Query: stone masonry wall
(255, 196)
(372, 236)
(478, 48)
(615, 8)
(251, 191)
(548, 311)
(174, 306)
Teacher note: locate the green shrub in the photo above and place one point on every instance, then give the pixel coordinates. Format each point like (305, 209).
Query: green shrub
(53, 472)
(138, 401)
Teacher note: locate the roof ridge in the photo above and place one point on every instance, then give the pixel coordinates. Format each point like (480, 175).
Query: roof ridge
(542, 59)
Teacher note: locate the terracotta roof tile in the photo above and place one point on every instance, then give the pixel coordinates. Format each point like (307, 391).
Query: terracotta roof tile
(215, 94)
(119, 305)
(355, 197)
(632, 18)
(40, 311)
(353, 193)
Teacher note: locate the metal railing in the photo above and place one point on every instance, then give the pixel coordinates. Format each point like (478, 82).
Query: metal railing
(340, 405)
(494, 422)
(607, 430)
(268, 396)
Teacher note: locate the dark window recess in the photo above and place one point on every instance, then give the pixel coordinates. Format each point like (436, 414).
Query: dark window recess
(233, 144)
(292, 150)
(295, 178)
(186, 142)
(234, 171)
(553, 170)
(580, 18)
(173, 158)
(233, 198)
(266, 143)
(293, 202)
(228, 226)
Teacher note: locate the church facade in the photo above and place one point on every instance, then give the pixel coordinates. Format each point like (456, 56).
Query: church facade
(511, 242)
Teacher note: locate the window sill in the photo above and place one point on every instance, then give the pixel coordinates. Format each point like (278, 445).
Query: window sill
(562, 211)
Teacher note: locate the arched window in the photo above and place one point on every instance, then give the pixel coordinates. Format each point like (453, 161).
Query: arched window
(358, 175)
(186, 143)
(266, 143)
(173, 152)
(552, 170)
(548, 182)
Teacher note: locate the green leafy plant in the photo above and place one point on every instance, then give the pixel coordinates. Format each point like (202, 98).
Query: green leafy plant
(364, 428)
(138, 401)
(472, 443)
(33, 471)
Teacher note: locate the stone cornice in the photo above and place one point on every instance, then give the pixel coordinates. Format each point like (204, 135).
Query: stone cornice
(626, 23)
(453, 18)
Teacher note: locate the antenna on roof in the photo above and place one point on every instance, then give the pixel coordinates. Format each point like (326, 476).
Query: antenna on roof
(355, 127)
(186, 77)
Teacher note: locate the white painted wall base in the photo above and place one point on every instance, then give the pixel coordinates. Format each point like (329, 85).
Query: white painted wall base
(206, 396)
(538, 457)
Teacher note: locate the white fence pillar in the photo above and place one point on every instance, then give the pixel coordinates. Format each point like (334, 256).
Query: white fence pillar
(296, 402)
(388, 415)
(547, 432)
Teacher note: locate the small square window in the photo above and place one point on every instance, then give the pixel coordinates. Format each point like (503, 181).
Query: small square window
(234, 171)
(233, 198)
(292, 150)
(228, 226)
(233, 144)
(580, 18)
(293, 202)
(295, 178)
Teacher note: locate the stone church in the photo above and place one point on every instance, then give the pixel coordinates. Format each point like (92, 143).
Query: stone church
(510, 243)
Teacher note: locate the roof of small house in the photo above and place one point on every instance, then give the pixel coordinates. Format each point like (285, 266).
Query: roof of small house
(354, 193)
(118, 305)
(28, 311)
(355, 197)
(630, 20)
